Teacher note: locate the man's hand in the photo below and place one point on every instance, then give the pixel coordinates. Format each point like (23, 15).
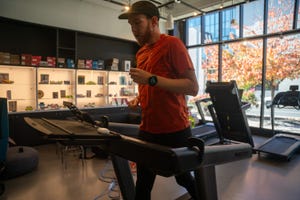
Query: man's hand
(133, 104)
(139, 76)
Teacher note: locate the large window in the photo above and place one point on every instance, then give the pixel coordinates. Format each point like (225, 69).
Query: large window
(230, 23)
(253, 18)
(280, 15)
(197, 55)
(298, 21)
(210, 62)
(211, 27)
(264, 64)
(194, 31)
(242, 62)
(283, 71)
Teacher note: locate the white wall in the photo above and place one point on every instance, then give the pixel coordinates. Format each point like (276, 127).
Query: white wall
(93, 16)
(81, 15)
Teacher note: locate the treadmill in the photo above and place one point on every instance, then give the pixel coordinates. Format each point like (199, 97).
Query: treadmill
(204, 129)
(281, 145)
(228, 112)
(162, 160)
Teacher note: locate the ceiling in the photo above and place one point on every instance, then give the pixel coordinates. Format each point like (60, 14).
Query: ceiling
(178, 8)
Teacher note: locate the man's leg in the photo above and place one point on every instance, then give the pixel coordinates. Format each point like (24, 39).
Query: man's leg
(144, 183)
(187, 181)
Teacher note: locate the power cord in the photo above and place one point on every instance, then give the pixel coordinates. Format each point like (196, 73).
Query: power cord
(107, 175)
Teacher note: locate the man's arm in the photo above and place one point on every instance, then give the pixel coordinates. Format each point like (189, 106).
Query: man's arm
(187, 84)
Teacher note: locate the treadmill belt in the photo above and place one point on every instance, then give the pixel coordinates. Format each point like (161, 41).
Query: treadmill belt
(74, 127)
(49, 128)
(68, 129)
(204, 131)
(278, 145)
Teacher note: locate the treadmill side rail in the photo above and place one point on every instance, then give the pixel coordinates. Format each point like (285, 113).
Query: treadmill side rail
(280, 145)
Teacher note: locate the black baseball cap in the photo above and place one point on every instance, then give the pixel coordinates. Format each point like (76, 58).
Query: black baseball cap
(141, 7)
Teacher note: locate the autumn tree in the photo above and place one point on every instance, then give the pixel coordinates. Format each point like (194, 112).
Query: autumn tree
(242, 61)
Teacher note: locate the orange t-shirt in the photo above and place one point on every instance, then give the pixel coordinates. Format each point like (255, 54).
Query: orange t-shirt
(163, 111)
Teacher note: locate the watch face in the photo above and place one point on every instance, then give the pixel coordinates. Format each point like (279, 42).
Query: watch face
(152, 80)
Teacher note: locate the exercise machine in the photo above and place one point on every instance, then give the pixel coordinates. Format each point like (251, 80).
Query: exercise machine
(204, 129)
(228, 112)
(282, 145)
(163, 160)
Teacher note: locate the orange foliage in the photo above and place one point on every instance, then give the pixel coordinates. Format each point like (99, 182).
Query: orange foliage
(242, 61)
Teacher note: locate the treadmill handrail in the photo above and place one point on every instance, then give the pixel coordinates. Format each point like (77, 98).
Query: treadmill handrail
(164, 160)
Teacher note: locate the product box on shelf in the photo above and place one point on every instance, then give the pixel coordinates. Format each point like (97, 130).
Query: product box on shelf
(70, 63)
(112, 64)
(126, 65)
(98, 64)
(43, 63)
(44, 79)
(14, 59)
(26, 59)
(101, 64)
(35, 60)
(12, 106)
(4, 58)
(8, 94)
(51, 61)
(88, 64)
(95, 64)
(4, 78)
(61, 62)
(80, 63)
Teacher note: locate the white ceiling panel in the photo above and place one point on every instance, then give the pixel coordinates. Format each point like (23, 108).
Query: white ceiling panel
(178, 8)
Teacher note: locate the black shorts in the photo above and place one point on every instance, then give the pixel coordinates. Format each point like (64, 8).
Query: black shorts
(174, 139)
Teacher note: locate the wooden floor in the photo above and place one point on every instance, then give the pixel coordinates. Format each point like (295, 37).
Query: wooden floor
(252, 179)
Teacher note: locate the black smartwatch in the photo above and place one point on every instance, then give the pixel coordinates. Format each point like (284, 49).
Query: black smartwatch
(152, 80)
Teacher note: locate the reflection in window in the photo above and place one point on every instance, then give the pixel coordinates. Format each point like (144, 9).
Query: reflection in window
(280, 15)
(283, 70)
(211, 28)
(230, 23)
(194, 31)
(253, 18)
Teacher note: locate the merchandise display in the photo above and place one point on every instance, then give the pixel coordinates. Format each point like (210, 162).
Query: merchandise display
(55, 84)
(20, 87)
(45, 88)
(121, 88)
(60, 65)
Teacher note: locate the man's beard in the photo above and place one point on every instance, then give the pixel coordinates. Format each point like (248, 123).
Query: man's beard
(145, 39)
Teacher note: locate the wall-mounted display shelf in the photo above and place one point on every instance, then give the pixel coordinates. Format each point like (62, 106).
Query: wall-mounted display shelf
(18, 85)
(121, 88)
(47, 46)
(91, 88)
(39, 69)
(54, 86)
(44, 88)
